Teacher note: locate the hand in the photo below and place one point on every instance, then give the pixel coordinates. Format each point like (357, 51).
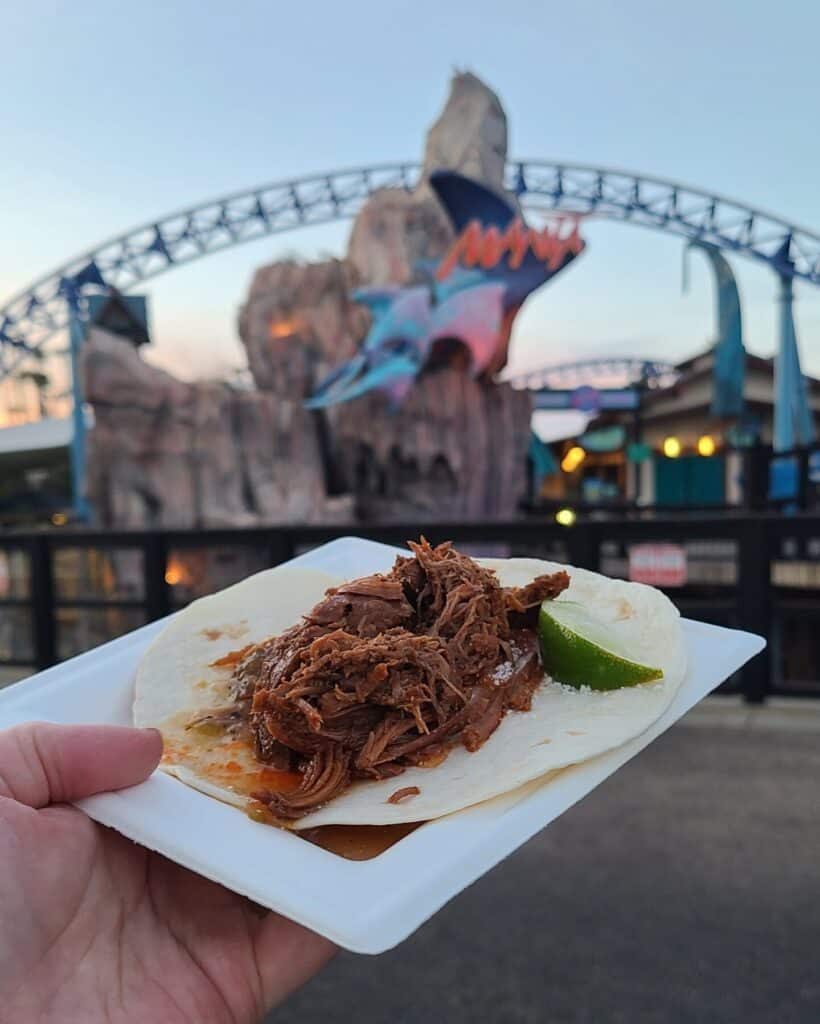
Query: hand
(94, 928)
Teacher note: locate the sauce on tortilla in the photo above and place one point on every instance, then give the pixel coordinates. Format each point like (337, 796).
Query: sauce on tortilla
(228, 762)
(353, 842)
(231, 765)
(359, 842)
(232, 658)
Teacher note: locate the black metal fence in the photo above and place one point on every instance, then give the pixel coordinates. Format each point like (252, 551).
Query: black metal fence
(64, 591)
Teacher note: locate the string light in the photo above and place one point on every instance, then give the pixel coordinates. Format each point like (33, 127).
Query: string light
(671, 447)
(565, 517)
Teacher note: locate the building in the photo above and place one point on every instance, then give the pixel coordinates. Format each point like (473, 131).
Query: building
(672, 450)
(35, 482)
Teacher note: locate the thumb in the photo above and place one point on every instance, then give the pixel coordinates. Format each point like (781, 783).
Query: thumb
(43, 764)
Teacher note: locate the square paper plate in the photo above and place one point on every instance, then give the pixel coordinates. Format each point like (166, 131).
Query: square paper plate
(365, 906)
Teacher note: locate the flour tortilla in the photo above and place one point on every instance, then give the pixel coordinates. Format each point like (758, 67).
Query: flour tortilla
(564, 727)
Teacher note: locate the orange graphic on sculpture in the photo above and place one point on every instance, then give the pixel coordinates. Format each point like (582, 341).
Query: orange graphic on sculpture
(486, 247)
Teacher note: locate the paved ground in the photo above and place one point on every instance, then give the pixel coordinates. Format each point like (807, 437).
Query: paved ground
(12, 675)
(686, 889)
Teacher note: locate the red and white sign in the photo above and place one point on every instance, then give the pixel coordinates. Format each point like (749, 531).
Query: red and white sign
(660, 565)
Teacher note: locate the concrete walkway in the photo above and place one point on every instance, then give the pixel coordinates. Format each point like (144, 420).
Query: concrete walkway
(685, 889)
(10, 675)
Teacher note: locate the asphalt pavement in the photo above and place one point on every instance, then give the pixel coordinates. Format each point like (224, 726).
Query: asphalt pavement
(684, 889)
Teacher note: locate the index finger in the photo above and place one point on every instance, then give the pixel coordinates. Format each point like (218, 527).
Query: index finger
(41, 763)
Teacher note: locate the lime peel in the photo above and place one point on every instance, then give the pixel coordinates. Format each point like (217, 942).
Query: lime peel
(578, 650)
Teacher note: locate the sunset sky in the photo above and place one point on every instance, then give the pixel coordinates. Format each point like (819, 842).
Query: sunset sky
(114, 114)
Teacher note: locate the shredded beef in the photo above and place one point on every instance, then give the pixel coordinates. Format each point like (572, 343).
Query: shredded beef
(522, 603)
(324, 776)
(403, 794)
(364, 607)
(388, 671)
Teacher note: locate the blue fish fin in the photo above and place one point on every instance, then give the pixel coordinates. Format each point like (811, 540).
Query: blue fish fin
(465, 200)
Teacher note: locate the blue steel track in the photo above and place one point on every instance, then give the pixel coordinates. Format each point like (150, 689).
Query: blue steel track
(41, 310)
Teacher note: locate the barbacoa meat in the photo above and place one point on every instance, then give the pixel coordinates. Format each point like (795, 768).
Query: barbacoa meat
(389, 671)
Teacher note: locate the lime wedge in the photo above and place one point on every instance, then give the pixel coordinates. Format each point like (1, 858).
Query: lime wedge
(579, 650)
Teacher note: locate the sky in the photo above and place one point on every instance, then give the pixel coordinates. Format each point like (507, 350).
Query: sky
(115, 113)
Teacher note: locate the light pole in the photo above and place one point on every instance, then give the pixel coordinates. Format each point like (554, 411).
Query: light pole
(793, 421)
(71, 290)
(76, 333)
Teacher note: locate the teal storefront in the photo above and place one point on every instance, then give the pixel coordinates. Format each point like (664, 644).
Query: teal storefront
(690, 480)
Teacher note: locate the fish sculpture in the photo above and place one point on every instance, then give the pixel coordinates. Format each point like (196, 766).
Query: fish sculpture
(463, 307)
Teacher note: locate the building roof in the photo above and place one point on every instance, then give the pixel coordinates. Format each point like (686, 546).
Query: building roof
(693, 389)
(550, 426)
(703, 363)
(39, 435)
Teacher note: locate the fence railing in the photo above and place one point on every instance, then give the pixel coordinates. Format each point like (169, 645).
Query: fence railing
(63, 591)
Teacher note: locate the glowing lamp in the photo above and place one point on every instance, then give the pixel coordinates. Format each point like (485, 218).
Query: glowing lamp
(706, 446)
(285, 328)
(59, 519)
(173, 574)
(573, 459)
(671, 447)
(565, 517)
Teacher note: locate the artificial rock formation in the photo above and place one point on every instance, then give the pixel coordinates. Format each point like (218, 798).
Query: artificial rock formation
(167, 453)
(455, 449)
(396, 229)
(470, 135)
(457, 446)
(393, 231)
(298, 322)
(141, 439)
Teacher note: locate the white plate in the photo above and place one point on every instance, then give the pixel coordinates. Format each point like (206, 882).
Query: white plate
(365, 906)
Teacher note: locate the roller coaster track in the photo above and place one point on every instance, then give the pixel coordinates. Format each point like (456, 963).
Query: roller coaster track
(619, 371)
(41, 310)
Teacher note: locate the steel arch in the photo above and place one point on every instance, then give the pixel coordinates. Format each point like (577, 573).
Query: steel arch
(565, 376)
(29, 319)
